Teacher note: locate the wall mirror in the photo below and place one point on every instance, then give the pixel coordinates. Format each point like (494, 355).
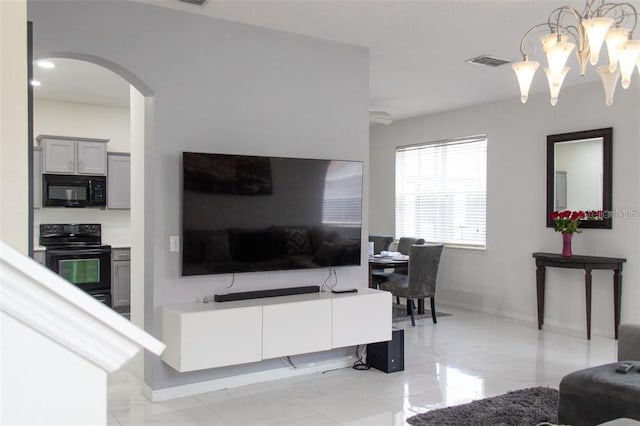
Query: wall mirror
(579, 168)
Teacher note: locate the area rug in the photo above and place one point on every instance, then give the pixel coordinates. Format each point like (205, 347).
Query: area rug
(399, 313)
(522, 407)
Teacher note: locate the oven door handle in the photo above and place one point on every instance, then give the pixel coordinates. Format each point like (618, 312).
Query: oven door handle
(80, 252)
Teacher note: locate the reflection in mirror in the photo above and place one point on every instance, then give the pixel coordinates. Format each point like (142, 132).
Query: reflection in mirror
(578, 169)
(561, 190)
(579, 174)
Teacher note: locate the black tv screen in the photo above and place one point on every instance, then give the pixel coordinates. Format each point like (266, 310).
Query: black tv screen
(244, 213)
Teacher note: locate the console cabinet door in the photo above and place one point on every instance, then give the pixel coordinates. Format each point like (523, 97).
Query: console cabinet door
(296, 328)
(59, 156)
(362, 318)
(211, 338)
(119, 181)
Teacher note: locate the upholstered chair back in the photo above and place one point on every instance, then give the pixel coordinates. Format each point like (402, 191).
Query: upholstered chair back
(380, 242)
(424, 261)
(405, 243)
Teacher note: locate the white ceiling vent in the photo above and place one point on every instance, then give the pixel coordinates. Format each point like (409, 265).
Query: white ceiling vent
(196, 2)
(379, 117)
(488, 61)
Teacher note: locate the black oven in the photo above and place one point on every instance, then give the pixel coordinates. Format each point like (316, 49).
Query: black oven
(75, 252)
(87, 268)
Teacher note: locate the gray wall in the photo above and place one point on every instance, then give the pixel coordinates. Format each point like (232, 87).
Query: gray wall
(215, 86)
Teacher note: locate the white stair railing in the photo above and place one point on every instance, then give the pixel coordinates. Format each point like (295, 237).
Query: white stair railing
(41, 299)
(57, 345)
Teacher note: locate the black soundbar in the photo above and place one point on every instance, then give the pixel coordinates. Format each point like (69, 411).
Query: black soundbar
(258, 294)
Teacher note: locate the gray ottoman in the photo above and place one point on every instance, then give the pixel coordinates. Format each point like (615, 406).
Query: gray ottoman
(621, 422)
(599, 394)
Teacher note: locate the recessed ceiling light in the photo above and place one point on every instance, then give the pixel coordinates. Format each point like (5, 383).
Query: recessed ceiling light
(46, 64)
(35, 83)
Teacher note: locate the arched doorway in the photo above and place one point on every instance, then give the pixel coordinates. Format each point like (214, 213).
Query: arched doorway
(86, 97)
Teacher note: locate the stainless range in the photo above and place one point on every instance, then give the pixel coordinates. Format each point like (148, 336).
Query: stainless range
(76, 253)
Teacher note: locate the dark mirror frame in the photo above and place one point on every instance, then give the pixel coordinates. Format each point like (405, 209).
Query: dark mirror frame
(607, 200)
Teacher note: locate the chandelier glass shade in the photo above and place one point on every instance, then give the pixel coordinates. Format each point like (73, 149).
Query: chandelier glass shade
(568, 30)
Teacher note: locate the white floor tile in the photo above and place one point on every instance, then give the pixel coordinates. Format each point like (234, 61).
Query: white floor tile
(234, 393)
(111, 420)
(147, 415)
(464, 357)
(312, 420)
(267, 408)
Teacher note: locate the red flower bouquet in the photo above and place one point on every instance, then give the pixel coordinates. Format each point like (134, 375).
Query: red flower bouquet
(567, 221)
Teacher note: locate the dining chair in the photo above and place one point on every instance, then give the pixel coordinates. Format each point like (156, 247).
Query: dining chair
(420, 283)
(380, 242)
(404, 246)
(405, 243)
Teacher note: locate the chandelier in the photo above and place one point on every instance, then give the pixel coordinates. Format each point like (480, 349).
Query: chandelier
(567, 29)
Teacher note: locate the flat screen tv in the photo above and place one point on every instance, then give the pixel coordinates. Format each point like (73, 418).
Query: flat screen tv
(244, 213)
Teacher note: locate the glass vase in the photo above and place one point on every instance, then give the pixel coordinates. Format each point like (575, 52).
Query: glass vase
(566, 245)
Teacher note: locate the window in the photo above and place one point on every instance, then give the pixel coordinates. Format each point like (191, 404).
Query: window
(441, 191)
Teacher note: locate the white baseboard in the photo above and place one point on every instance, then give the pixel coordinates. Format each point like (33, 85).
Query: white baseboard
(555, 325)
(484, 310)
(155, 395)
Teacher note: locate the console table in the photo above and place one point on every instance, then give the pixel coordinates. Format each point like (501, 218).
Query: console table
(588, 263)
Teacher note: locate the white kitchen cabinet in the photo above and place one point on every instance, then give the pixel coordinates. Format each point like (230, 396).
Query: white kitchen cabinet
(118, 181)
(92, 158)
(37, 178)
(216, 334)
(120, 277)
(38, 256)
(59, 155)
(66, 155)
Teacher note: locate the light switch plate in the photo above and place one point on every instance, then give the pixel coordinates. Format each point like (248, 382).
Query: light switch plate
(174, 243)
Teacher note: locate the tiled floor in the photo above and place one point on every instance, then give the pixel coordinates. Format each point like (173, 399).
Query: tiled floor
(464, 357)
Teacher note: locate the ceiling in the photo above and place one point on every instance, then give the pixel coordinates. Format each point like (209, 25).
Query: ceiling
(417, 48)
(82, 82)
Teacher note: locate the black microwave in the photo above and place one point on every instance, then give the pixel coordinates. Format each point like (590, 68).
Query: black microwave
(74, 191)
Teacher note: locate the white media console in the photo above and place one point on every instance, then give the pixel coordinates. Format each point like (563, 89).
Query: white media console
(217, 334)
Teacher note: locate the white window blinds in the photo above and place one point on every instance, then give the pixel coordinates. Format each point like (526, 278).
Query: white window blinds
(441, 191)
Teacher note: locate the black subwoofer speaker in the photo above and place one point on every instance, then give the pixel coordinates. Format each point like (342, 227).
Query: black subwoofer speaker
(388, 356)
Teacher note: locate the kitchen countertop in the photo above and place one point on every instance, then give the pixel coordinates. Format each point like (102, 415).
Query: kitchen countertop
(118, 244)
(113, 244)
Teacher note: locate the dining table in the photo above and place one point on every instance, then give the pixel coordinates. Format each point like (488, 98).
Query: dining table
(394, 261)
(382, 262)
